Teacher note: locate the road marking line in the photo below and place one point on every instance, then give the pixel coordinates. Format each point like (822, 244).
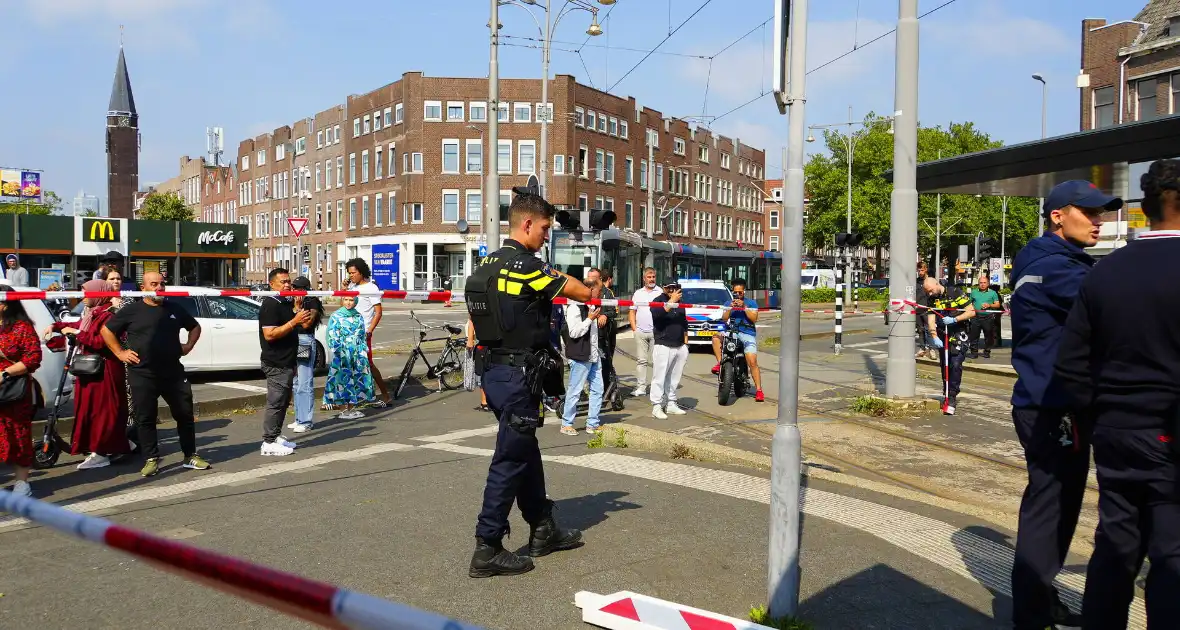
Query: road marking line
(879, 342)
(453, 436)
(254, 389)
(458, 448)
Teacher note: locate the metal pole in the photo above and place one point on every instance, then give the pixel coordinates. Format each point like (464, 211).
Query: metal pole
(848, 251)
(900, 376)
(786, 446)
(1044, 134)
(1003, 236)
(545, 97)
(938, 238)
(841, 272)
(492, 220)
(651, 186)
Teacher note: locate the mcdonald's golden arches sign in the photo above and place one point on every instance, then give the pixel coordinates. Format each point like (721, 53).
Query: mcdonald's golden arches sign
(101, 230)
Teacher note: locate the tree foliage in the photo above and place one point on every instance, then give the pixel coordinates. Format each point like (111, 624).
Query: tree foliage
(165, 207)
(50, 203)
(827, 186)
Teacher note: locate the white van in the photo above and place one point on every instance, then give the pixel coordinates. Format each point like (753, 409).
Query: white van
(703, 323)
(819, 279)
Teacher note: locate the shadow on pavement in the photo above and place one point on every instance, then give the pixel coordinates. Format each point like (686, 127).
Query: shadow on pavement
(593, 509)
(883, 598)
(876, 372)
(966, 543)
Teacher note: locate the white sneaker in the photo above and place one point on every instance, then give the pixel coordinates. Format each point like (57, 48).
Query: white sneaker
(301, 428)
(293, 425)
(351, 415)
(22, 489)
(674, 409)
(282, 439)
(276, 449)
(658, 413)
(639, 391)
(94, 460)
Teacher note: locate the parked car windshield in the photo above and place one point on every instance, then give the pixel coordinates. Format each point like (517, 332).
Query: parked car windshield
(713, 296)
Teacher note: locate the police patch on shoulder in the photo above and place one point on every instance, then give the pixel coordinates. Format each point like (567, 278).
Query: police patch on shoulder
(550, 271)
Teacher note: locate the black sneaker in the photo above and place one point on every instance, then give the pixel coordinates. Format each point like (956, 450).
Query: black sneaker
(987, 355)
(1063, 616)
(491, 559)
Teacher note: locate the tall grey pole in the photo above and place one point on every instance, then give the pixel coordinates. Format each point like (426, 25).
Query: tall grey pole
(900, 375)
(786, 446)
(492, 196)
(848, 250)
(1044, 134)
(651, 186)
(938, 238)
(545, 96)
(1003, 237)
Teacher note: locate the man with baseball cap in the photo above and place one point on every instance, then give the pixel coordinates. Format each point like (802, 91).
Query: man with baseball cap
(1046, 277)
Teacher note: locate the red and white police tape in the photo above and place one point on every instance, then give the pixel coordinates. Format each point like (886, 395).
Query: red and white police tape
(897, 305)
(317, 602)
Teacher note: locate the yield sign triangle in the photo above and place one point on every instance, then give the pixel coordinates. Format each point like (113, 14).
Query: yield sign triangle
(298, 225)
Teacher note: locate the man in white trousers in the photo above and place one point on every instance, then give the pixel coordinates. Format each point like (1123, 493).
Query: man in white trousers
(670, 354)
(640, 319)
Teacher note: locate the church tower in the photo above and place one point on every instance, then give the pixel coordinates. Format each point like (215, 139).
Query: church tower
(122, 145)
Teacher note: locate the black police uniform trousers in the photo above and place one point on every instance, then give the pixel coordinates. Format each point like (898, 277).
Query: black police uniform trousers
(950, 361)
(515, 473)
(1138, 515)
(1057, 473)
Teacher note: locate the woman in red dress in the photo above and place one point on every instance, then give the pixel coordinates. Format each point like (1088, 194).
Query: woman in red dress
(20, 354)
(100, 407)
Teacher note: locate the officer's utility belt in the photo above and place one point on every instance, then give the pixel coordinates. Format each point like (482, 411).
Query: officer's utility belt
(514, 358)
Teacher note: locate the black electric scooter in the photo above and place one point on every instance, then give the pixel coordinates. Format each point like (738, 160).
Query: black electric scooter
(51, 445)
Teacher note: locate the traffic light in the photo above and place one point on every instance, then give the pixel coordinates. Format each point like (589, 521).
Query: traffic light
(985, 248)
(845, 239)
(602, 219)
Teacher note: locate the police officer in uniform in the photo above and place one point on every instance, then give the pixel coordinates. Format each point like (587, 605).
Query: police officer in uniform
(1047, 274)
(1120, 357)
(950, 309)
(510, 299)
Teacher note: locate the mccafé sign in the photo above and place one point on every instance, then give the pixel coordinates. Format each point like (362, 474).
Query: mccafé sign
(223, 237)
(101, 231)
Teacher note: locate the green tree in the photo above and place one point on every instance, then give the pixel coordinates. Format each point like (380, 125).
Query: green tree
(50, 203)
(827, 186)
(165, 207)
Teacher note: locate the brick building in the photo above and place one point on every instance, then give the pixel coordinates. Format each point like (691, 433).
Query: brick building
(219, 195)
(403, 164)
(189, 183)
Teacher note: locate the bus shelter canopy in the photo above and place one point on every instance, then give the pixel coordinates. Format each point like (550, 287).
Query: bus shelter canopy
(1033, 168)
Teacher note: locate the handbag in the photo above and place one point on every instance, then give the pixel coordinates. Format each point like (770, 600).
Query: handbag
(303, 353)
(13, 388)
(87, 365)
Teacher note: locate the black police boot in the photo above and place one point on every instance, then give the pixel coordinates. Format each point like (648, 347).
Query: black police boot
(1063, 616)
(546, 537)
(492, 559)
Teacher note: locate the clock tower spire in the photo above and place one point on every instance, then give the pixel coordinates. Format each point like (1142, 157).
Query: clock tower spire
(122, 143)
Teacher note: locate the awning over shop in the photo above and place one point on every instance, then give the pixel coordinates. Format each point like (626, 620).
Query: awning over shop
(1033, 168)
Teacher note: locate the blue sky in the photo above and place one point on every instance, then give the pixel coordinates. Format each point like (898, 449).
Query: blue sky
(252, 65)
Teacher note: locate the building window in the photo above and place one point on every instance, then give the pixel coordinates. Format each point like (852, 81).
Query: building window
(454, 111)
(392, 208)
(376, 121)
(502, 112)
(339, 171)
(378, 164)
(356, 127)
(388, 113)
(319, 217)
(579, 117)
(610, 168)
(317, 176)
(774, 243)
(352, 214)
(1104, 107)
(351, 169)
(545, 112)
(643, 174)
(450, 206)
(522, 112)
(474, 156)
(583, 161)
(364, 167)
(432, 111)
(474, 207)
(591, 121)
(479, 112)
(416, 162)
(504, 156)
(398, 114)
(653, 138)
(559, 164)
(261, 158)
(245, 162)
(526, 155)
(659, 178)
(628, 211)
(703, 153)
(280, 152)
(623, 129)
(628, 170)
(365, 211)
(602, 123)
(392, 160)
(365, 126)
(339, 215)
(678, 146)
(614, 126)
(450, 156)
(725, 161)
(1145, 100)
(416, 209)
(505, 201)
(773, 219)
(599, 164)
(582, 200)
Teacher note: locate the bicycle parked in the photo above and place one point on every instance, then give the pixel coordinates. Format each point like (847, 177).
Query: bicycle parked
(448, 369)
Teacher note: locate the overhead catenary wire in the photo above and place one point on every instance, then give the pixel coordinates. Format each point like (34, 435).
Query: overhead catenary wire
(645, 57)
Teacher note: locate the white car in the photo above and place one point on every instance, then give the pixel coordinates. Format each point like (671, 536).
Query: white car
(703, 323)
(52, 363)
(229, 332)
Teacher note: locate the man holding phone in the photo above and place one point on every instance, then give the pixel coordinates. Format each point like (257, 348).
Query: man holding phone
(670, 354)
(742, 314)
(278, 334)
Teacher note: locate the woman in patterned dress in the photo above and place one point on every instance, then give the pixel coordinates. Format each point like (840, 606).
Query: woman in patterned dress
(20, 355)
(350, 382)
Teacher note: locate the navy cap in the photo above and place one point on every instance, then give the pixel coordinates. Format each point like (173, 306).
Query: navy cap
(1079, 193)
(301, 284)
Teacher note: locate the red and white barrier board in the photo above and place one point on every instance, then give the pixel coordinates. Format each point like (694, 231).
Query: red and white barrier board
(322, 604)
(631, 611)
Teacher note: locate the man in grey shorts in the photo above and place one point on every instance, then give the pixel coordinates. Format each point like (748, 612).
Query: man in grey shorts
(641, 324)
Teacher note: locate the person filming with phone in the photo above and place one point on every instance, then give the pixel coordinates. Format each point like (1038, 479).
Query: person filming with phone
(742, 315)
(278, 334)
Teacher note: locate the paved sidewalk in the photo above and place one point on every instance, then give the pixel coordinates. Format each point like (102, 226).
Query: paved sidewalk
(386, 505)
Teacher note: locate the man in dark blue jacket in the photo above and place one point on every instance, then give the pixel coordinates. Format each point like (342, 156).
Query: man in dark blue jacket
(1046, 276)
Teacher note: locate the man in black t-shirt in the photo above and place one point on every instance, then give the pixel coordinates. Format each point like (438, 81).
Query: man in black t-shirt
(278, 327)
(152, 355)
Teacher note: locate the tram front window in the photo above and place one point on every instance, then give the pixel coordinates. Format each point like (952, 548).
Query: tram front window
(574, 257)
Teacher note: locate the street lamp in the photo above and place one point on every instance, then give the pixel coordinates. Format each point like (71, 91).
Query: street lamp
(1044, 126)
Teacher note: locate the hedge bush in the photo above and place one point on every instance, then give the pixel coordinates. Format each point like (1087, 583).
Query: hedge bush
(828, 295)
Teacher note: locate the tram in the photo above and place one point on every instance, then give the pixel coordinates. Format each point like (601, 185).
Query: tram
(626, 253)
